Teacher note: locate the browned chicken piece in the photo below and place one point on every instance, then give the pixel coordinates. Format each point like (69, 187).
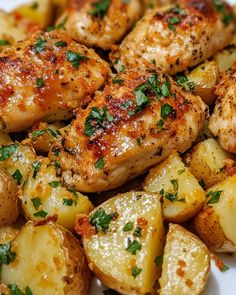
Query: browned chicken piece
(45, 78)
(223, 120)
(136, 122)
(172, 38)
(100, 23)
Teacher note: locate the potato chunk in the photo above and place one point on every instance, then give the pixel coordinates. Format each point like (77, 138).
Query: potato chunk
(44, 195)
(49, 260)
(124, 242)
(186, 263)
(9, 206)
(37, 11)
(205, 77)
(181, 193)
(209, 163)
(216, 223)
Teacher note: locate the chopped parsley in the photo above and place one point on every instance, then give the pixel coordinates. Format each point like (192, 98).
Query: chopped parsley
(75, 58)
(99, 164)
(61, 44)
(36, 202)
(171, 197)
(224, 268)
(172, 21)
(181, 171)
(166, 110)
(97, 118)
(54, 183)
(139, 142)
(184, 82)
(36, 167)
(138, 232)
(214, 197)
(39, 45)
(68, 202)
(6, 255)
(136, 271)
(100, 8)
(159, 260)
(15, 290)
(117, 81)
(175, 184)
(17, 176)
(41, 213)
(133, 247)
(7, 151)
(53, 133)
(40, 82)
(202, 183)
(4, 42)
(128, 226)
(101, 220)
(60, 26)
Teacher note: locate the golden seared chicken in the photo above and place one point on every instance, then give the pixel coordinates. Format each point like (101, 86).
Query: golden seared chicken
(136, 122)
(100, 23)
(175, 37)
(45, 78)
(223, 120)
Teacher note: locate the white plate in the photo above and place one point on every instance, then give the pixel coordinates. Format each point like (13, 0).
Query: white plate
(219, 283)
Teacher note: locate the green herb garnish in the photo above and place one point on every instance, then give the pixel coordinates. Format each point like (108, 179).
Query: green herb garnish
(101, 220)
(75, 58)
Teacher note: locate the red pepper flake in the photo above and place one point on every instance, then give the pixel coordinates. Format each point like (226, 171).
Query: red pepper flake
(142, 222)
(83, 227)
(180, 272)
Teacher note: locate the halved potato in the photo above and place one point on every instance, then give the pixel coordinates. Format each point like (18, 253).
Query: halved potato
(205, 77)
(209, 163)
(227, 57)
(49, 260)
(182, 196)
(44, 195)
(122, 238)
(186, 263)
(216, 223)
(17, 159)
(9, 203)
(37, 11)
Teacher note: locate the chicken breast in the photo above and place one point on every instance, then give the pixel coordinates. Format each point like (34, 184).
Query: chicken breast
(136, 122)
(175, 37)
(45, 78)
(223, 120)
(100, 23)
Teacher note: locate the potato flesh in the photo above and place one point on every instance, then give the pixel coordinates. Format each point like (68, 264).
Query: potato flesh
(207, 160)
(225, 208)
(40, 262)
(107, 254)
(52, 198)
(186, 263)
(39, 12)
(205, 77)
(190, 195)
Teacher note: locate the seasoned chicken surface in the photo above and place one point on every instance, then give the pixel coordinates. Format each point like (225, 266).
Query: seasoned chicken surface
(100, 23)
(45, 78)
(223, 120)
(175, 37)
(136, 122)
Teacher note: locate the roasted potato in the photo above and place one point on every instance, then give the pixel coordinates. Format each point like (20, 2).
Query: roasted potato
(10, 32)
(182, 196)
(227, 57)
(9, 206)
(37, 11)
(17, 159)
(204, 78)
(44, 136)
(122, 238)
(49, 260)
(44, 195)
(186, 263)
(209, 163)
(9, 232)
(216, 223)
(4, 139)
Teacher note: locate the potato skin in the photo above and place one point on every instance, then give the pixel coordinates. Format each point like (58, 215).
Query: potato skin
(207, 225)
(9, 206)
